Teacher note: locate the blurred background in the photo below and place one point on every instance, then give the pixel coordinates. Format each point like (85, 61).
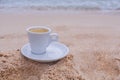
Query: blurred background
(60, 5)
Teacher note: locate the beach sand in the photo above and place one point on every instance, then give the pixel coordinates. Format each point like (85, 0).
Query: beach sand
(93, 39)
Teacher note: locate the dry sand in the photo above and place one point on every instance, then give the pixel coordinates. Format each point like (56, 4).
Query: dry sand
(93, 39)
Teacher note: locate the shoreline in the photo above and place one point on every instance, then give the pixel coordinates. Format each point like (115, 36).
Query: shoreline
(29, 11)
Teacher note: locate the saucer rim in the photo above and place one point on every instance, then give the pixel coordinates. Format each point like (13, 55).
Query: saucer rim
(65, 54)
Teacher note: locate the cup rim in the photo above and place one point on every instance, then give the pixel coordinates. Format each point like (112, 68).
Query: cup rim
(46, 27)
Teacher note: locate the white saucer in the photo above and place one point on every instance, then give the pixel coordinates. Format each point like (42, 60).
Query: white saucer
(54, 52)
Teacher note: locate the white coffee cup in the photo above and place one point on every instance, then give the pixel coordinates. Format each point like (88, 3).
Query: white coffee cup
(39, 41)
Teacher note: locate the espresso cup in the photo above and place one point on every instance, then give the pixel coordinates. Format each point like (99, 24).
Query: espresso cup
(40, 37)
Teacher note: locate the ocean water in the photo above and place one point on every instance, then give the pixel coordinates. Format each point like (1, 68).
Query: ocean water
(61, 4)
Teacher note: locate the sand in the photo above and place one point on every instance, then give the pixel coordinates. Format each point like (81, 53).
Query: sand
(93, 39)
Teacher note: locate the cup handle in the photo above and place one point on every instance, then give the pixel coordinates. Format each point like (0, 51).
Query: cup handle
(54, 37)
